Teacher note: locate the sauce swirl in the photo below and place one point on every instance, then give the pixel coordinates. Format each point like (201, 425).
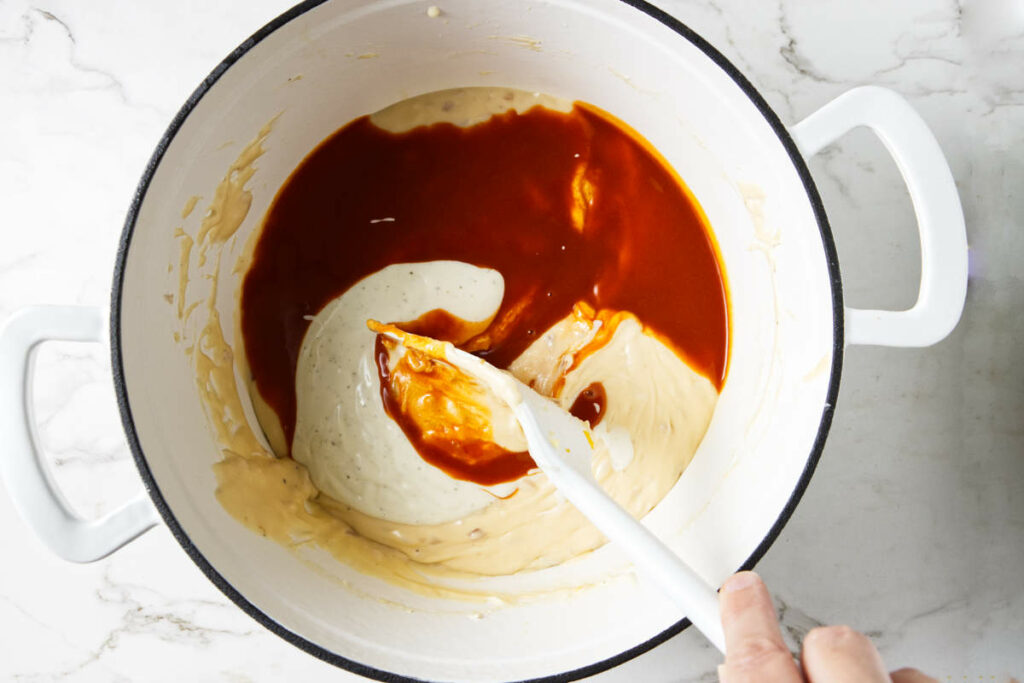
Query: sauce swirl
(569, 208)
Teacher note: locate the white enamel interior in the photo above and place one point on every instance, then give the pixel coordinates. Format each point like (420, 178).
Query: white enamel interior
(600, 51)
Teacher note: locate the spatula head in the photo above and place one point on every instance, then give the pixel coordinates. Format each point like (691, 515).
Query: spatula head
(557, 440)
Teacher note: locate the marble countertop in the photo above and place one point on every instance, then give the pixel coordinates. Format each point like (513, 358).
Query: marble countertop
(913, 526)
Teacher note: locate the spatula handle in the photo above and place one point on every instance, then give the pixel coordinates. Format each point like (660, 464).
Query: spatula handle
(561, 449)
(655, 560)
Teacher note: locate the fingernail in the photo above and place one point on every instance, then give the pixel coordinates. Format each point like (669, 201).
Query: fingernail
(739, 581)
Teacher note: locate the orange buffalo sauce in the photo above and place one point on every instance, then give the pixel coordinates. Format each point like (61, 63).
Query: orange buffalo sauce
(571, 208)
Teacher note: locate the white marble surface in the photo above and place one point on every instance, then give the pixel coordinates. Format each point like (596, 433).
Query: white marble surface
(913, 526)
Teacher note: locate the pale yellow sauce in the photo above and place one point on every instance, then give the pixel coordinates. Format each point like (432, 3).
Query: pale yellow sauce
(653, 395)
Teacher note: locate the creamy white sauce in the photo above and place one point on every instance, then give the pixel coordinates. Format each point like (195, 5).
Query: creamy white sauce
(354, 451)
(657, 406)
(653, 396)
(619, 444)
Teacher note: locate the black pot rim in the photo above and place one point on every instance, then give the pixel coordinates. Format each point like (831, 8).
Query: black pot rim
(302, 643)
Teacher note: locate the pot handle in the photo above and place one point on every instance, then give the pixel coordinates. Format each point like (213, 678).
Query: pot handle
(940, 219)
(27, 479)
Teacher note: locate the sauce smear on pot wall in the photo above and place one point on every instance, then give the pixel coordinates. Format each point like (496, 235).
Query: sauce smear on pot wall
(568, 207)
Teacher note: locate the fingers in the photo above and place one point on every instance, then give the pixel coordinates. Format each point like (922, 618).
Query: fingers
(838, 654)
(911, 676)
(754, 649)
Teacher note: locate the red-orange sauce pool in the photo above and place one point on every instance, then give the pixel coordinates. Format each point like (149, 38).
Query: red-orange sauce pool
(568, 207)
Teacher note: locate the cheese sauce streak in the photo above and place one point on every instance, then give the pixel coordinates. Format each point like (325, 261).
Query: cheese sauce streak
(568, 207)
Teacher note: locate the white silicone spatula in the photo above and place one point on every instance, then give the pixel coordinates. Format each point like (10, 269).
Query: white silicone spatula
(561, 446)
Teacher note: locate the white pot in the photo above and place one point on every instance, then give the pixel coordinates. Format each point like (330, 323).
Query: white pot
(746, 169)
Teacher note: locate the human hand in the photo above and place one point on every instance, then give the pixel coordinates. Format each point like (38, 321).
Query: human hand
(755, 651)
